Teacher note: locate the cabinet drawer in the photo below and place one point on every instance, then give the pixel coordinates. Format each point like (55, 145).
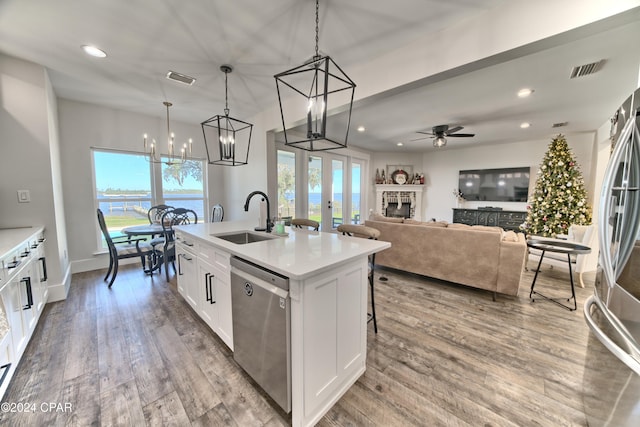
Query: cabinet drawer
(215, 257)
(513, 216)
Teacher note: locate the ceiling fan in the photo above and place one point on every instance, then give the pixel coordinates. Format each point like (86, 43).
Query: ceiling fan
(440, 132)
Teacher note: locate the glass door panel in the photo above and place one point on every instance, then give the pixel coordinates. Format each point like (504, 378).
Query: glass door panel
(286, 184)
(356, 179)
(315, 185)
(335, 200)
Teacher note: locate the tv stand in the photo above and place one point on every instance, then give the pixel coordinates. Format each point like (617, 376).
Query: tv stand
(509, 220)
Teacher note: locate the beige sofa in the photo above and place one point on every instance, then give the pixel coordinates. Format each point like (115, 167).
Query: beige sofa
(478, 256)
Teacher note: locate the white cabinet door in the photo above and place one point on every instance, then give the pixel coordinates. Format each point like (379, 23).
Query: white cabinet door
(223, 301)
(39, 281)
(208, 310)
(187, 276)
(215, 300)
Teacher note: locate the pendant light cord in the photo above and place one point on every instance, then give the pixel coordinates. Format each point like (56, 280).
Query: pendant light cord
(226, 94)
(317, 31)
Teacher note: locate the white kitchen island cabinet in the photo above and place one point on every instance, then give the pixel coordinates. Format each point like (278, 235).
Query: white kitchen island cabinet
(23, 294)
(328, 289)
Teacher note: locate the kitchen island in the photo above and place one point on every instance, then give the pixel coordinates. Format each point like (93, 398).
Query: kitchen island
(328, 286)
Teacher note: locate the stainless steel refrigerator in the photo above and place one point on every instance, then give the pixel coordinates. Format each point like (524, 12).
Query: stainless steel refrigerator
(611, 382)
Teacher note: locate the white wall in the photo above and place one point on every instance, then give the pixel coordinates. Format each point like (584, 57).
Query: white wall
(30, 161)
(441, 169)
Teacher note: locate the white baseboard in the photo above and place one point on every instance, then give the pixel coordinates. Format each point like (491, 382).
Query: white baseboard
(59, 291)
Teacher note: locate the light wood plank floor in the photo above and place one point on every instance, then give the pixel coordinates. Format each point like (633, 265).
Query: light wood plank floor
(444, 355)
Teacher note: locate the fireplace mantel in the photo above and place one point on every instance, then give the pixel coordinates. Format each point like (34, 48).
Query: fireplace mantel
(412, 191)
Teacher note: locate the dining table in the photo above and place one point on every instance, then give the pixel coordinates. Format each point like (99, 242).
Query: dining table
(148, 230)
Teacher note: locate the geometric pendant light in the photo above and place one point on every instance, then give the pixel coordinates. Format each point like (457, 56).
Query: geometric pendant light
(226, 139)
(313, 88)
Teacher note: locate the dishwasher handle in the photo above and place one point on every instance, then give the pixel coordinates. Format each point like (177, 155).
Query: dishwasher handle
(248, 280)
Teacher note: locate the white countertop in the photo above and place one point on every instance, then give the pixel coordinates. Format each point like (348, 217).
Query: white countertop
(301, 254)
(11, 238)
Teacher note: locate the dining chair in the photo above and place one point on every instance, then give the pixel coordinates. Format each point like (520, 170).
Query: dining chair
(155, 213)
(177, 216)
(217, 213)
(368, 233)
(304, 222)
(123, 247)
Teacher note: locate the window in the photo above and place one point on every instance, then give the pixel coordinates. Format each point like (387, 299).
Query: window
(182, 186)
(127, 185)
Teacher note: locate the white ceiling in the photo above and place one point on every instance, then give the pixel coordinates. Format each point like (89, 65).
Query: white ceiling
(145, 39)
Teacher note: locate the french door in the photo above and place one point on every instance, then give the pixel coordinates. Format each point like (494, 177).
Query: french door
(322, 186)
(326, 189)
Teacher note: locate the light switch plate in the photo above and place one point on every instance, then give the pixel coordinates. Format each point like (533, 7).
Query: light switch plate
(24, 196)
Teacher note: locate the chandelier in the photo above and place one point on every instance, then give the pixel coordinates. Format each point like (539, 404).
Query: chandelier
(172, 158)
(230, 137)
(315, 86)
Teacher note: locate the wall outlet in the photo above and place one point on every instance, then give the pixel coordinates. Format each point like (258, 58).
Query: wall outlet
(24, 196)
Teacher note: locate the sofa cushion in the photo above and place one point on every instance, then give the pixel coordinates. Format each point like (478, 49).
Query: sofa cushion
(442, 224)
(411, 221)
(510, 236)
(458, 225)
(378, 217)
(487, 228)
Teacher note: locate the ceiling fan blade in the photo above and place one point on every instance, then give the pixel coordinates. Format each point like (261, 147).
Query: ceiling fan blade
(453, 130)
(420, 139)
(425, 133)
(464, 135)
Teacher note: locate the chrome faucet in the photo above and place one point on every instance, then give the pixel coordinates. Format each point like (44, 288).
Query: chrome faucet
(264, 196)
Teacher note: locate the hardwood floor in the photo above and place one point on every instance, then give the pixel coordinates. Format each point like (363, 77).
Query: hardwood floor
(444, 355)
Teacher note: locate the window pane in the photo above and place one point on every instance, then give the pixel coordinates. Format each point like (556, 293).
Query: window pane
(315, 189)
(123, 189)
(355, 192)
(183, 186)
(336, 192)
(286, 184)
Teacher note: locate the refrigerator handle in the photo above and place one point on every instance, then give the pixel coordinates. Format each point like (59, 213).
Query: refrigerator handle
(604, 339)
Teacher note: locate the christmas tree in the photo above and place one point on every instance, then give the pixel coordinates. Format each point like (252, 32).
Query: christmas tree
(559, 198)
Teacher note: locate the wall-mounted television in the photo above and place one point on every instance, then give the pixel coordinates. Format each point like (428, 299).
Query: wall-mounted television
(496, 185)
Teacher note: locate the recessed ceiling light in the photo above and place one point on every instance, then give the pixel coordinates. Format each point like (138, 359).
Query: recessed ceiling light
(361, 129)
(399, 144)
(93, 51)
(525, 125)
(523, 93)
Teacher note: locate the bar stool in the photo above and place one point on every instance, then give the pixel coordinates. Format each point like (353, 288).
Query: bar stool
(304, 222)
(368, 233)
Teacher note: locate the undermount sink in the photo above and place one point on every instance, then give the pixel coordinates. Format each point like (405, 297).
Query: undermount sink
(244, 237)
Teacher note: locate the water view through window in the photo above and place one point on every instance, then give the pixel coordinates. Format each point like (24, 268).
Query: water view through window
(124, 189)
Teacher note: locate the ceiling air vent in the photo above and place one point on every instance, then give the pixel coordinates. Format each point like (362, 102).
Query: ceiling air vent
(585, 70)
(559, 125)
(172, 75)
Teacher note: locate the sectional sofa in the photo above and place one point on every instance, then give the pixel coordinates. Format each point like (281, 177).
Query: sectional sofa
(482, 257)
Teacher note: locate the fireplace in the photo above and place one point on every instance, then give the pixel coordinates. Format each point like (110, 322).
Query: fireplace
(404, 211)
(402, 201)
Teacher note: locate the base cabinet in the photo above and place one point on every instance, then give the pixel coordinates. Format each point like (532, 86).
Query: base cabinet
(204, 282)
(215, 300)
(187, 275)
(509, 220)
(23, 294)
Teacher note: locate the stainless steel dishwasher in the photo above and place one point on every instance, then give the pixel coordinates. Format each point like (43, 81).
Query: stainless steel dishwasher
(261, 328)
